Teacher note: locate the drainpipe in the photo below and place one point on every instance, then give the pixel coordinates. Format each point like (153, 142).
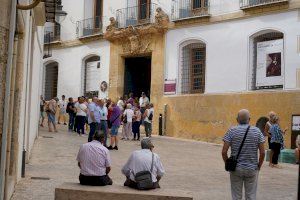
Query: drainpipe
(11, 111)
(7, 97)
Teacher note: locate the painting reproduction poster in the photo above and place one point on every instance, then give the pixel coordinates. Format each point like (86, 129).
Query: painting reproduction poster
(269, 70)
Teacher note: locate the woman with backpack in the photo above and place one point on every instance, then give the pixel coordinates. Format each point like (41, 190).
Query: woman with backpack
(148, 117)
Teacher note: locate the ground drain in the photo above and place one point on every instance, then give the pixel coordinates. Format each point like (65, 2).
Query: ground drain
(47, 136)
(40, 178)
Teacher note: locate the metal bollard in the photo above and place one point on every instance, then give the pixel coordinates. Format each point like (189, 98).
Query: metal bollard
(160, 125)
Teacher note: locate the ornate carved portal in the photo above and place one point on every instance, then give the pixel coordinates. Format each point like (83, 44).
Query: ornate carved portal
(136, 40)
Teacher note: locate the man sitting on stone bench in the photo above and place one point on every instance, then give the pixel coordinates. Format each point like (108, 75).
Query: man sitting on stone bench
(143, 169)
(94, 162)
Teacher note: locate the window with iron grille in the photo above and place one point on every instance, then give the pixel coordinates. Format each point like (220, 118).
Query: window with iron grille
(91, 76)
(198, 4)
(263, 37)
(193, 68)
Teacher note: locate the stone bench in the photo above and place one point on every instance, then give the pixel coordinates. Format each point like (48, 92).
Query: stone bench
(75, 191)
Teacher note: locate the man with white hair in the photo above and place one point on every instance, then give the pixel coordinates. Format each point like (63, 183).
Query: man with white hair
(248, 166)
(143, 162)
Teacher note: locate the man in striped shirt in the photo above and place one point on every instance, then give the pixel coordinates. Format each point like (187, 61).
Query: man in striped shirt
(94, 162)
(248, 165)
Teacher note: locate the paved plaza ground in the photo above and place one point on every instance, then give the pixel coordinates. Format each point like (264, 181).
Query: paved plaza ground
(195, 167)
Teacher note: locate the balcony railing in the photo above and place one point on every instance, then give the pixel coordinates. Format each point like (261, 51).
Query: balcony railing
(52, 34)
(136, 15)
(89, 27)
(244, 4)
(184, 9)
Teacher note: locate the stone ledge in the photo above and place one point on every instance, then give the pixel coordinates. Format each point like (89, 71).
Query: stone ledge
(75, 191)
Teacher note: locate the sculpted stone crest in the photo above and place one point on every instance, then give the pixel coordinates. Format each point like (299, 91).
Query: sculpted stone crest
(161, 18)
(113, 24)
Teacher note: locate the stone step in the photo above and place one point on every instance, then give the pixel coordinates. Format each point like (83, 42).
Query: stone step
(75, 191)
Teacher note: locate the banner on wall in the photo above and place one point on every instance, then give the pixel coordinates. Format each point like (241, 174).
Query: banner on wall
(170, 87)
(269, 71)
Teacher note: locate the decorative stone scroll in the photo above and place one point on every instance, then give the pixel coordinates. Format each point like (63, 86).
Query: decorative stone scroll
(137, 39)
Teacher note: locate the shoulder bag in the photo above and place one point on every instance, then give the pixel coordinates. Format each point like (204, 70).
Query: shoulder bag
(143, 179)
(231, 162)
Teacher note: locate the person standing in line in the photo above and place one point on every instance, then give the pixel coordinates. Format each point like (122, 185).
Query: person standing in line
(297, 149)
(51, 111)
(71, 111)
(148, 117)
(115, 124)
(62, 110)
(128, 114)
(81, 113)
(267, 132)
(42, 111)
(120, 103)
(86, 102)
(277, 141)
(131, 99)
(136, 123)
(103, 120)
(248, 165)
(76, 104)
(93, 117)
(143, 101)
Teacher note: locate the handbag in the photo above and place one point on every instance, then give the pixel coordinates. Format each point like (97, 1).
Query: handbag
(231, 162)
(143, 179)
(124, 119)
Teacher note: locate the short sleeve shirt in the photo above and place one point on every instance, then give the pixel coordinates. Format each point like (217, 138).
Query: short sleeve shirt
(248, 158)
(129, 113)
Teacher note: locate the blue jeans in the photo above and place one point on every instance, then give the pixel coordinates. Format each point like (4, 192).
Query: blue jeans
(71, 121)
(103, 127)
(93, 128)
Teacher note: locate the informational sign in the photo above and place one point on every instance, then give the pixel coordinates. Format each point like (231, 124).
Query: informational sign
(170, 87)
(296, 123)
(269, 72)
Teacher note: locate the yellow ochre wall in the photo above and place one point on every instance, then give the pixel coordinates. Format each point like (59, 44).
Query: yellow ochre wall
(204, 117)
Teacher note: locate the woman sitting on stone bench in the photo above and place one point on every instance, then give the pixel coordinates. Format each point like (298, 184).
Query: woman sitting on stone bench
(143, 169)
(94, 162)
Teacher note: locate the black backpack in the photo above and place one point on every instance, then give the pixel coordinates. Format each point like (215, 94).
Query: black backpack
(150, 116)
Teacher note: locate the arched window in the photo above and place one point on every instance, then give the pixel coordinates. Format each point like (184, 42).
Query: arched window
(51, 79)
(91, 76)
(266, 60)
(192, 67)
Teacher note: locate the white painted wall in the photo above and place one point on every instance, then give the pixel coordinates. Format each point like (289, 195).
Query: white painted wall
(71, 61)
(227, 46)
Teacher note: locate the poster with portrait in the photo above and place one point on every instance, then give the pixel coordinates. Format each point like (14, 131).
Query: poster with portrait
(269, 72)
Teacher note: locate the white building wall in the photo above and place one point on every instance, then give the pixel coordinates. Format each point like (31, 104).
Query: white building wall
(227, 50)
(71, 62)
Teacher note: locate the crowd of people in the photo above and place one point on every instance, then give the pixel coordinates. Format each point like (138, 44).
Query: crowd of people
(100, 115)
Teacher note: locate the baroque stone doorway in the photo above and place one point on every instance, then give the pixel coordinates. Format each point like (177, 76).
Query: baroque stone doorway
(137, 76)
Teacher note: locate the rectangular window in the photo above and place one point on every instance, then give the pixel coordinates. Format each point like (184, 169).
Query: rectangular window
(197, 70)
(98, 13)
(144, 9)
(199, 4)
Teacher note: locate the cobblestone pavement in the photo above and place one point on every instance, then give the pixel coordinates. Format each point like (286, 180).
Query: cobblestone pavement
(190, 166)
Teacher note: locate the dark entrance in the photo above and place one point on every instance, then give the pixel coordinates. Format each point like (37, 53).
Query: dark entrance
(51, 78)
(137, 76)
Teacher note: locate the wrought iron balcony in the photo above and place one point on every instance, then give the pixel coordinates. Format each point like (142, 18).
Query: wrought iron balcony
(136, 15)
(185, 9)
(52, 34)
(89, 27)
(245, 4)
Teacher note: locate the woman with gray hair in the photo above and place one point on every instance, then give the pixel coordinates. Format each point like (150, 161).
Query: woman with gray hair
(127, 123)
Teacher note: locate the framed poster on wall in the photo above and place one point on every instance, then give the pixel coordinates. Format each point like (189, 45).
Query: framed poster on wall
(270, 65)
(170, 87)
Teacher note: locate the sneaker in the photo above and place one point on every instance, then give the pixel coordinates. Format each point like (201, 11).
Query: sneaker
(116, 148)
(110, 148)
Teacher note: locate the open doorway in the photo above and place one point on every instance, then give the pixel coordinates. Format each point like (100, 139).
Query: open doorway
(137, 75)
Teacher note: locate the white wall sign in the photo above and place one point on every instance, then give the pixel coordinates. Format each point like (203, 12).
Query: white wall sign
(296, 123)
(270, 64)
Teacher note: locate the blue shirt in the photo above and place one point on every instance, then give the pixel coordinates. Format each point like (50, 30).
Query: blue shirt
(248, 158)
(276, 135)
(95, 109)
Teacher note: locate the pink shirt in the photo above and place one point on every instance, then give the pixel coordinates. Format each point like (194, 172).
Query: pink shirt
(93, 158)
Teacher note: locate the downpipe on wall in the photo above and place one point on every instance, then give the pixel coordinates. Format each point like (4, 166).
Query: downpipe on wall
(7, 97)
